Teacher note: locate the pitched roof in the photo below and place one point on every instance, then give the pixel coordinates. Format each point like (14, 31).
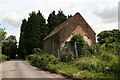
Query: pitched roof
(76, 19)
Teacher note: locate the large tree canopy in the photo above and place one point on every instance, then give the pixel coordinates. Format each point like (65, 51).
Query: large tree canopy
(56, 19)
(111, 38)
(32, 33)
(108, 36)
(9, 46)
(52, 21)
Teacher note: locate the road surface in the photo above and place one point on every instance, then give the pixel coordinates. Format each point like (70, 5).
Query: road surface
(21, 69)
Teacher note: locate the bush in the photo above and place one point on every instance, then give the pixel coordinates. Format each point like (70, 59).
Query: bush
(36, 51)
(85, 51)
(67, 57)
(3, 57)
(87, 63)
(107, 56)
(42, 60)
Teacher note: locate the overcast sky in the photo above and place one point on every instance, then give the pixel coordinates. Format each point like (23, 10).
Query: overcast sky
(100, 14)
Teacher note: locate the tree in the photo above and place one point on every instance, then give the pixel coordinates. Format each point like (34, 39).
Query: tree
(2, 34)
(79, 42)
(110, 38)
(56, 19)
(69, 16)
(9, 47)
(2, 37)
(52, 21)
(33, 31)
(22, 47)
(77, 38)
(61, 17)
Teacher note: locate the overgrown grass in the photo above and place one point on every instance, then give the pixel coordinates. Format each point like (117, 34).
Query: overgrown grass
(103, 65)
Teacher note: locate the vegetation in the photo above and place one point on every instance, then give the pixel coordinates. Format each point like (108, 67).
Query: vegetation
(33, 31)
(2, 37)
(8, 46)
(43, 61)
(3, 58)
(55, 19)
(111, 39)
(98, 62)
(78, 42)
(2, 34)
(67, 57)
(104, 65)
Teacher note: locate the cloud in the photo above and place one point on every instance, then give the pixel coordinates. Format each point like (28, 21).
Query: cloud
(102, 17)
(13, 19)
(108, 13)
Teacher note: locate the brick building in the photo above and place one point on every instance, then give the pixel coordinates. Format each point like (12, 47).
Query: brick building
(58, 40)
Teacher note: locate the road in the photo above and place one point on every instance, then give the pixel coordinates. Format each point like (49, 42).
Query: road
(21, 69)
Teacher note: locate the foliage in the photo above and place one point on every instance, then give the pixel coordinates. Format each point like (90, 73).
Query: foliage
(52, 21)
(56, 19)
(92, 66)
(2, 34)
(9, 46)
(86, 50)
(33, 31)
(103, 62)
(2, 38)
(36, 51)
(108, 37)
(67, 57)
(77, 38)
(3, 57)
(42, 60)
(61, 17)
(107, 56)
(78, 42)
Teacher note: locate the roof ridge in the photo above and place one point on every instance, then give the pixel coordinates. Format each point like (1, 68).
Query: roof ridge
(59, 27)
(77, 16)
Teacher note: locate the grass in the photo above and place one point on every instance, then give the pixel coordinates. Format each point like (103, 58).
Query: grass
(69, 69)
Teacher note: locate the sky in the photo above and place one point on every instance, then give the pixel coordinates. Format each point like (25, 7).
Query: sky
(100, 14)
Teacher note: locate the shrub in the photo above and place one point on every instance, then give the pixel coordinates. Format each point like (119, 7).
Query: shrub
(36, 51)
(87, 63)
(67, 57)
(85, 51)
(3, 57)
(107, 56)
(42, 60)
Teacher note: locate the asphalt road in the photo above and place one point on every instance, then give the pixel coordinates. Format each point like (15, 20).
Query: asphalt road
(21, 69)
